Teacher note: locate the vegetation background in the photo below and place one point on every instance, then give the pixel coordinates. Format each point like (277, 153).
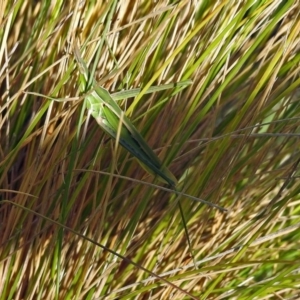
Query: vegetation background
(80, 219)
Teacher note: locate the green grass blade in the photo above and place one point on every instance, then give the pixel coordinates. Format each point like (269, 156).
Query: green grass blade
(152, 89)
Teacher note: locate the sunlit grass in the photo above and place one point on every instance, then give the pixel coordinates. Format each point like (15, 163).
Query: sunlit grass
(80, 219)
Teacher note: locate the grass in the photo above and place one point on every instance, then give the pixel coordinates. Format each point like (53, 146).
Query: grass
(80, 219)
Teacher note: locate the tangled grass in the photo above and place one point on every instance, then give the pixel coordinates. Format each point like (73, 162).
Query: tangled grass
(81, 220)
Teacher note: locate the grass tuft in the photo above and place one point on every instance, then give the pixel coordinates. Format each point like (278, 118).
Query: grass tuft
(80, 219)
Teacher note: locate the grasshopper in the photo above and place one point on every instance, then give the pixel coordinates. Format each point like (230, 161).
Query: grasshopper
(115, 123)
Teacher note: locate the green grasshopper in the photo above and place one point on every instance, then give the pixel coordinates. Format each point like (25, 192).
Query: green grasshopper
(115, 123)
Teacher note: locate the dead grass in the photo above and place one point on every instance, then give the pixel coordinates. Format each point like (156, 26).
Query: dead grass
(76, 221)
